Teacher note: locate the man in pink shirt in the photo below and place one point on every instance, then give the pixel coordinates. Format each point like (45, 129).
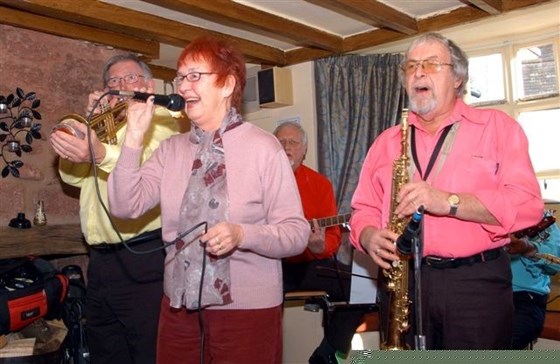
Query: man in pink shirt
(471, 172)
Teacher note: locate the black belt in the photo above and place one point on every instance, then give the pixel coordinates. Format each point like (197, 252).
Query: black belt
(105, 248)
(443, 263)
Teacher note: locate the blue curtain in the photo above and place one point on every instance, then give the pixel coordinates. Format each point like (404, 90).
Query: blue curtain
(357, 98)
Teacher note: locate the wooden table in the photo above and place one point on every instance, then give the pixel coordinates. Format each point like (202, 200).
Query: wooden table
(42, 240)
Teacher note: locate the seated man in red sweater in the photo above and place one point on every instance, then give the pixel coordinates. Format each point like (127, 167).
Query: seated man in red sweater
(303, 272)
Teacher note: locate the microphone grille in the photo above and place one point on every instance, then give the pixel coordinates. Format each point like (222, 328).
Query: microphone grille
(176, 102)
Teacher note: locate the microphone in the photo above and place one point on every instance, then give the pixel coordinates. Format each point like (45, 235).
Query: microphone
(404, 242)
(173, 102)
(476, 93)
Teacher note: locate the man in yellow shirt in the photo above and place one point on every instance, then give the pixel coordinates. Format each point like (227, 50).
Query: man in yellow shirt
(124, 288)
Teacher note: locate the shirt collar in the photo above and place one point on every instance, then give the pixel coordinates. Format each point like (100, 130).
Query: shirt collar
(461, 112)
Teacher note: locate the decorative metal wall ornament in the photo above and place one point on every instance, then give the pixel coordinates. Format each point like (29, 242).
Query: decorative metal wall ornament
(17, 115)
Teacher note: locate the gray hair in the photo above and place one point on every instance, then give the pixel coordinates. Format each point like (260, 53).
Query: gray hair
(301, 130)
(147, 73)
(458, 58)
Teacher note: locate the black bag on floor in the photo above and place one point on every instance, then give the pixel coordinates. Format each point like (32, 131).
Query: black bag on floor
(73, 315)
(30, 288)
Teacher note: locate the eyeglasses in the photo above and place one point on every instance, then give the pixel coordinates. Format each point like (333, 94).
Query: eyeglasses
(290, 142)
(428, 66)
(116, 81)
(191, 77)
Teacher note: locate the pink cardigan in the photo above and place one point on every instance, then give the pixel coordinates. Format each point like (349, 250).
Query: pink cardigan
(263, 199)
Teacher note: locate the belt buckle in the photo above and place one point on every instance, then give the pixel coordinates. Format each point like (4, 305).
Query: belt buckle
(439, 262)
(433, 261)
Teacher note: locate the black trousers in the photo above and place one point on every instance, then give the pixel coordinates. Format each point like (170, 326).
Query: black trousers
(528, 319)
(124, 293)
(344, 320)
(468, 307)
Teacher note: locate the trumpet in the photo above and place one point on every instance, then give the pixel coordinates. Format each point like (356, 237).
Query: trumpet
(105, 124)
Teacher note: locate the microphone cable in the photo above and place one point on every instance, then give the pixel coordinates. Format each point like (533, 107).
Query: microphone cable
(339, 280)
(346, 272)
(199, 310)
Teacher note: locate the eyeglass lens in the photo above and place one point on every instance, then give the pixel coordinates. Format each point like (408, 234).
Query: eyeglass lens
(132, 78)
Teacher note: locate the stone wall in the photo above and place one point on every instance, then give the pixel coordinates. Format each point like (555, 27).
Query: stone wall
(62, 72)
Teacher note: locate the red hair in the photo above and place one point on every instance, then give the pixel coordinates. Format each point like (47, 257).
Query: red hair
(224, 59)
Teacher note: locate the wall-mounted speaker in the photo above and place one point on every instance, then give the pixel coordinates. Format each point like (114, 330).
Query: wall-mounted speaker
(275, 87)
(251, 92)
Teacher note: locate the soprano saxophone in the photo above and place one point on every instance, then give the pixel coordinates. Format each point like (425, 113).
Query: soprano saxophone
(396, 277)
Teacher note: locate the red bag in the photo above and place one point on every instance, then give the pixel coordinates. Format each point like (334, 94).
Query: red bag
(30, 288)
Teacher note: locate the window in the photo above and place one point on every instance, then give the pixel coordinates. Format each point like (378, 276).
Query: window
(522, 80)
(486, 84)
(544, 126)
(535, 69)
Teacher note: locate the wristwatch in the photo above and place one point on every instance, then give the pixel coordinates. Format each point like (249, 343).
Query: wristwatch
(453, 201)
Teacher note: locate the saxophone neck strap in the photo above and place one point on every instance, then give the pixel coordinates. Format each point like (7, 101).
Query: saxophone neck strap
(442, 138)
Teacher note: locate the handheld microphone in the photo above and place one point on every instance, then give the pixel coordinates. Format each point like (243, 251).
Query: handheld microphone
(173, 102)
(412, 230)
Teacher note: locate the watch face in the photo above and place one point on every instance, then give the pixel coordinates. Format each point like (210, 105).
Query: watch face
(453, 199)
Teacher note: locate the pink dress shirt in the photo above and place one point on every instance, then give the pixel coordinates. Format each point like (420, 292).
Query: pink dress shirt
(488, 158)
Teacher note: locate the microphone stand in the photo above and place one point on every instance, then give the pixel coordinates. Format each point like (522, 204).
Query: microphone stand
(417, 242)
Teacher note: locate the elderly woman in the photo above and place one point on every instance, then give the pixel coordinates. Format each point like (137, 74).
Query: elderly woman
(230, 211)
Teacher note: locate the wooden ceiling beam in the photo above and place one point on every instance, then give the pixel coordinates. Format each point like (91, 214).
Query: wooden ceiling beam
(372, 39)
(372, 12)
(22, 19)
(455, 17)
(508, 5)
(301, 55)
(163, 73)
(229, 13)
(125, 21)
(492, 7)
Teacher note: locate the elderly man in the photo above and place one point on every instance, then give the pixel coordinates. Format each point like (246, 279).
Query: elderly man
(470, 170)
(303, 272)
(124, 289)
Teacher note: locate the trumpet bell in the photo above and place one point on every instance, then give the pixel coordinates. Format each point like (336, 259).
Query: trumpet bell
(105, 124)
(66, 125)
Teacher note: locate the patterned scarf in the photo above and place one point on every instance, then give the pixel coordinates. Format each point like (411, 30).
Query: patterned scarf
(206, 199)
